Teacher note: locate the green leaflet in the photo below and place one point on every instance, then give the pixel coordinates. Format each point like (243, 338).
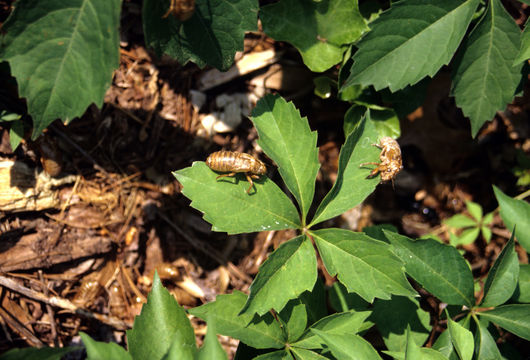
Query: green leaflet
(318, 29)
(288, 271)
(439, 268)
(411, 40)
(351, 186)
(515, 214)
(210, 37)
(161, 321)
(62, 55)
(228, 207)
(260, 333)
(287, 139)
(484, 79)
(364, 265)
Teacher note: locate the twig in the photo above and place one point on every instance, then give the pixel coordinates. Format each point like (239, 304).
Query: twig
(21, 329)
(207, 250)
(51, 314)
(62, 303)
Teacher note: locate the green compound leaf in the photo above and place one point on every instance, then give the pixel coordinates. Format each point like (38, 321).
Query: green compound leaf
(475, 210)
(394, 316)
(228, 207)
(275, 355)
(485, 346)
(161, 320)
(351, 186)
(385, 120)
(524, 51)
(210, 37)
(289, 271)
(346, 347)
(484, 79)
(349, 322)
(522, 292)
(46, 353)
(62, 55)
(425, 354)
(318, 29)
(211, 349)
(98, 350)
(502, 278)
(461, 338)
(364, 265)
(259, 332)
(287, 139)
(514, 318)
(515, 213)
(293, 319)
(439, 268)
(411, 40)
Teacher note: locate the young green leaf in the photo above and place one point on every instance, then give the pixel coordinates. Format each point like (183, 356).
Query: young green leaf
(484, 79)
(61, 49)
(46, 353)
(318, 29)
(412, 350)
(411, 40)
(179, 350)
(461, 338)
(475, 210)
(424, 353)
(16, 134)
(340, 323)
(385, 120)
(228, 207)
(287, 139)
(364, 265)
(514, 318)
(394, 316)
(210, 37)
(211, 349)
(502, 277)
(485, 346)
(288, 271)
(444, 346)
(524, 50)
(460, 221)
(304, 354)
(155, 328)
(293, 319)
(275, 355)
(468, 236)
(351, 186)
(98, 350)
(259, 332)
(439, 268)
(522, 292)
(515, 213)
(346, 347)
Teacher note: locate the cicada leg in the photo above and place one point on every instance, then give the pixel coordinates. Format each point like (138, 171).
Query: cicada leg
(223, 175)
(249, 178)
(375, 171)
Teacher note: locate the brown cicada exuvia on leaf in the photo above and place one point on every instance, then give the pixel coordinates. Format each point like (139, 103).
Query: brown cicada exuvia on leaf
(236, 162)
(391, 163)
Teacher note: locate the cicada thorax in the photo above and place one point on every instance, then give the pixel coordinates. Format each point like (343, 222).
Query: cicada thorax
(390, 156)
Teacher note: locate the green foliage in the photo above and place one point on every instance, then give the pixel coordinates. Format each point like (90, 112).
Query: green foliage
(97, 350)
(515, 214)
(470, 227)
(411, 40)
(210, 37)
(461, 338)
(318, 29)
(287, 139)
(37, 354)
(161, 323)
(439, 268)
(62, 55)
(485, 79)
